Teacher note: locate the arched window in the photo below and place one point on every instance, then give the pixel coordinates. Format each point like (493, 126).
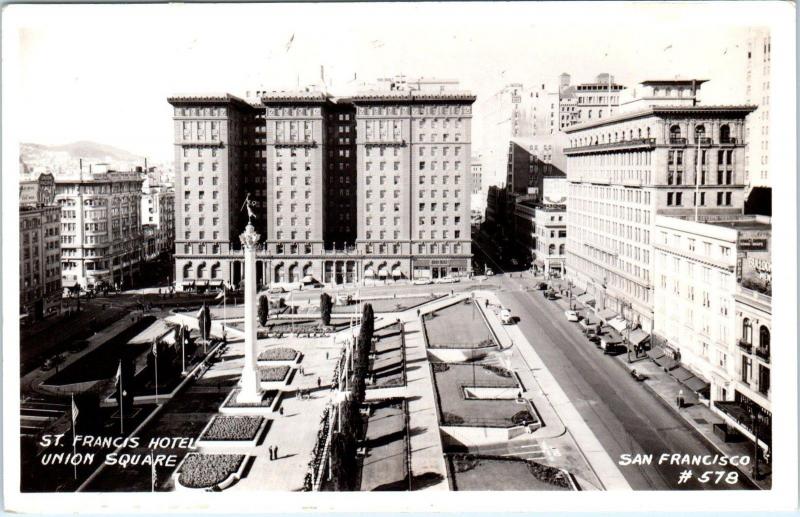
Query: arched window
(763, 338)
(639, 133)
(561, 249)
(747, 331)
(215, 270)
(648, 132)
(699, 132)
(551, 250)
(278, 273)
(724, 133)
(187, 270)
(201, 270)
(675, 131)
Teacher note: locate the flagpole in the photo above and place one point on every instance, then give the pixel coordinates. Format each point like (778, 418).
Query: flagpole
(74, 450)
(155, 365)
(183, 353)
(121, 400)
(152, 472)
(697, 167)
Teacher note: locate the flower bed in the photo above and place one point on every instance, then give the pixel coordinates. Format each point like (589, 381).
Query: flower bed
(488, 472)
(273, 373)
(266, 400)
(208, 470)
(233, 428)
(278, 354)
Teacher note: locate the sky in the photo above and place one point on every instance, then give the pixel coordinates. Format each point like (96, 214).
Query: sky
(103, 72)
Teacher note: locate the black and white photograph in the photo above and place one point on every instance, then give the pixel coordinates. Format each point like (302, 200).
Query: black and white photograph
(260, 254)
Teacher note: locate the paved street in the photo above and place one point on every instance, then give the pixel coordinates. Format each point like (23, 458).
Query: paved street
(623, 416)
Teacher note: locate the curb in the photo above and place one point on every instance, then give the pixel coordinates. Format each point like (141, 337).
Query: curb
(694, 431)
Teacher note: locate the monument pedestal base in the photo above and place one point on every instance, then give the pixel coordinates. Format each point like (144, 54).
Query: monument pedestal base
(250, 388)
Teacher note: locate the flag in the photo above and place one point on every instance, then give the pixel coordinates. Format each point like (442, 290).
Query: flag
(118, 376)
(74, 412)
(155, 347)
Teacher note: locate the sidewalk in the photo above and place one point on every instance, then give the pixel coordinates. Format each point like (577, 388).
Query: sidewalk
(699, 417)
(593, 452)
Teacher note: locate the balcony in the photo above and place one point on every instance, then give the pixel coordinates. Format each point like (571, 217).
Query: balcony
(677, 140)
(745, 346)
(727, 141)
(295, 143)
(703, 140)
(763, 353)
(387, 143)
(636, 143)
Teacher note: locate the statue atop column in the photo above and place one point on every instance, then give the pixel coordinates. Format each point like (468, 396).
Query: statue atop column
(249, 204)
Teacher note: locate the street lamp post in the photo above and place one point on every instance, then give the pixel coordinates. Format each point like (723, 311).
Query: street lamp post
(627, 336)
(754, 414)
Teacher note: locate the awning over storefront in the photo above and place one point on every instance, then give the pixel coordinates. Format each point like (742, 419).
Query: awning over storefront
(638, 336)
(382, 273)
(586, 299)
(202, 283)
(606, 315)
(369, 273)
(681, 374)
(661, 358)
(590, 322)
(188, 283)
(697, 384)
(396, 273)
(215, 283)
(308, 279)
(619, 324)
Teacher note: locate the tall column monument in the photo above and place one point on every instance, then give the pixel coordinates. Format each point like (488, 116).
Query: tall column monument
(250, 388)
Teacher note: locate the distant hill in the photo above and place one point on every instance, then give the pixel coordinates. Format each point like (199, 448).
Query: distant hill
(66, 157)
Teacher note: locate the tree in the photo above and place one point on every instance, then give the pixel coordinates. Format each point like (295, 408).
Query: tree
(204, 322)
(263, 310)
(76, 292)
(325, 307)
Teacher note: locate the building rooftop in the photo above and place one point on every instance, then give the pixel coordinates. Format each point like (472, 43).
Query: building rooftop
(294, 96)
(740, 110)
(209, 98)
(673, 82)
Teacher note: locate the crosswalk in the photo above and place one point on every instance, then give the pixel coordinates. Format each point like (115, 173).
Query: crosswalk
(527, 450)
(37, 414)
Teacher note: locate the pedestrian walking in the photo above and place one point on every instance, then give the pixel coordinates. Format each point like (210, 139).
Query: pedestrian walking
(319, 382)
(326, 355)
(271, 455)
(680, 399)
(281, 410)
(276, 452)
(486, 303)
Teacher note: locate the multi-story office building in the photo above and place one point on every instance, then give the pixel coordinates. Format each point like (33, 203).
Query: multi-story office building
(39, 249)
(101, 237)
(476, 170)
(158, 219)
(757, 84)
(341, 185)
(541, 228)
(587, 101)
(530, 161)
(517, 110)
(663, 154)
(712, 311)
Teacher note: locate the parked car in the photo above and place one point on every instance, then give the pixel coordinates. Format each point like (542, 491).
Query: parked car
(446, 280)
(276, 289)
(489, 272)
(551, 295)
(571, 315)
(541, 286)
(505, 317)
(422, 281)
